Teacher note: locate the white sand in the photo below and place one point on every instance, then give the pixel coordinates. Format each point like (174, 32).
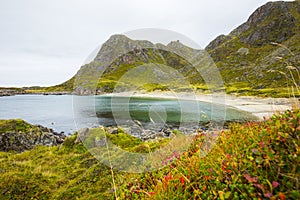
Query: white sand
(260, 107)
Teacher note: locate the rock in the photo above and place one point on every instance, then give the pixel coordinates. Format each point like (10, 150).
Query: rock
(217, 42)
(160, 135)
(101, 142)
(20, 141)
(138, 123)
(11, 91)
(112, 130)
(167, 132)
(243, 51)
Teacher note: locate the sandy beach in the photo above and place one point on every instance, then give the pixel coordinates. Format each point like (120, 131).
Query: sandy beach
(260, 107)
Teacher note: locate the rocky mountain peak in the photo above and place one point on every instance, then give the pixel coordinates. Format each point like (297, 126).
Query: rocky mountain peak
(272, 22)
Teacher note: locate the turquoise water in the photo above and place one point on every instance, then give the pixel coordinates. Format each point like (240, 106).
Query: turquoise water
(67, 113)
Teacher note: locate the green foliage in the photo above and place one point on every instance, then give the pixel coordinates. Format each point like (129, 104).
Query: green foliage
(67, 171)
(123, 140)
(150, 87)
(54, 173)
(254, 160)
(15, 125)
(63, 87)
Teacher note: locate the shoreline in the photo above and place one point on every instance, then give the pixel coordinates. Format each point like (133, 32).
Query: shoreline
(258, 106)
(261, 107)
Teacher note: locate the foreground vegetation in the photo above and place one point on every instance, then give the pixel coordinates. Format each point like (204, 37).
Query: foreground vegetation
(249, 161)
(255, 160)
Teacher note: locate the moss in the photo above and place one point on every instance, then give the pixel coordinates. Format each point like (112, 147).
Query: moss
(124, 140)
(15, 125)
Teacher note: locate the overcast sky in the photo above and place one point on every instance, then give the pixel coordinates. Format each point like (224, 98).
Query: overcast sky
(44, 42)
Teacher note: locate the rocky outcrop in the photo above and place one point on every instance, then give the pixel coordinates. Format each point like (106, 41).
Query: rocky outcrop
(272, 22)
(10, 92)
(217, 42)
(256, 53)
(26, 139)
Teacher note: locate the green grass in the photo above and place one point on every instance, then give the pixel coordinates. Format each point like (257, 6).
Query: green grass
(15, 125)
(257, 160)
(254, 160)
(67, 171)
(280, 92)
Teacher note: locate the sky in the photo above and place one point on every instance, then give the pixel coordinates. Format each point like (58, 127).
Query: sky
(44, 42)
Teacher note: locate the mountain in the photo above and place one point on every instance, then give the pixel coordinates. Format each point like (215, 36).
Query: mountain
(264, 52)
(260, 57)
(124, 64)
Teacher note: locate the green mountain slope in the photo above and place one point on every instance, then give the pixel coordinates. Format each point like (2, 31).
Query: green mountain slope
(256, 55)
(125, 64)
(260, 57)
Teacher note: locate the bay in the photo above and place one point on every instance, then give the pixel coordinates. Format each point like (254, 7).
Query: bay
(67, 113)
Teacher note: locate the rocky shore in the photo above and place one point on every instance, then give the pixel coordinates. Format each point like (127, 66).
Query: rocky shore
(11, 91)
(20, 91)
(18, 135)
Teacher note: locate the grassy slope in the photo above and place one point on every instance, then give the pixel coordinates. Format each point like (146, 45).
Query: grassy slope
(253, 160)
(116, 74)
(15, 125)
(260, 72)
(254, 74)
(63, 87)
(249, 161)
(62, 172)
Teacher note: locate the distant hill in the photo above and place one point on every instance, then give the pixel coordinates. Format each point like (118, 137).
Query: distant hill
(260, 57)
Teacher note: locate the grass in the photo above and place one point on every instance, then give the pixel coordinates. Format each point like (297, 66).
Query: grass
(63, 87)
(15, 125)
(249, 161)
(254, 160)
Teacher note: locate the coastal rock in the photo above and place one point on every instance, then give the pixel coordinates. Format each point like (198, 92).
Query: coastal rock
(112, 130)
(11, 91)
(19, 141)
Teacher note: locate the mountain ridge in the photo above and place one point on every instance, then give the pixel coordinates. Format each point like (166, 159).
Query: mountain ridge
(252, 59)
(120, 54)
